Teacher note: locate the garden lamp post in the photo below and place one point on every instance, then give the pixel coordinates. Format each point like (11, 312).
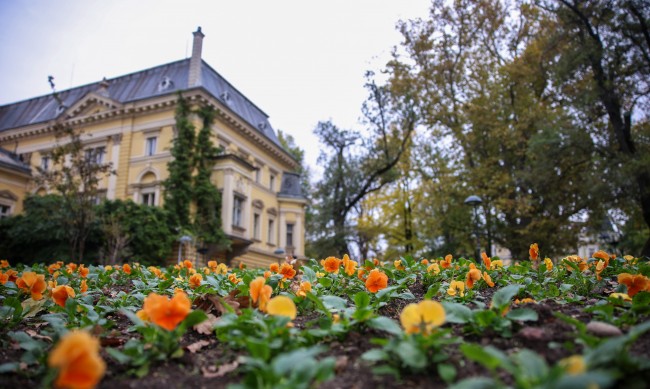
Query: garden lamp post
(185, 239)
(475, 201)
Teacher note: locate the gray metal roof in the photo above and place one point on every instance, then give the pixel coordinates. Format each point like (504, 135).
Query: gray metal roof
(156, 81)
(11, 161)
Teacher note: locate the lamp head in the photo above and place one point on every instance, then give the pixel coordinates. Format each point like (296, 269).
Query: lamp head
(473, 200)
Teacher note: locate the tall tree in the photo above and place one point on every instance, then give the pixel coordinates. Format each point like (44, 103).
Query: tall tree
(605, 68)
(75, 174)
(481, 71)
(178, 185)
(359, 164)
(207, 221)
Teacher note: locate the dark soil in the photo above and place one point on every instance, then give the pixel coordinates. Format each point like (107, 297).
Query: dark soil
(200, 369)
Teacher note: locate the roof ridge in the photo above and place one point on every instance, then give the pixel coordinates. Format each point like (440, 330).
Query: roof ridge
(235, 88)
(93, 83)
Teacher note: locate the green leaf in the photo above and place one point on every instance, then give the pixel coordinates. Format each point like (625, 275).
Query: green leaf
(457, 313)
(132, 316)
(411, 355)
(447, 372)
(375, 355)
(283, 364)
(308, 275)
(522, 314)
(384, 323)
(503, 296)
(387, 291)
(475, 383)
(334, 302)
(9, 367)
(531, 364)
(319, 304)
(195, 317)
(362, 299)
(118, 355)
(592, 379)
(325, 281)
(488, 356)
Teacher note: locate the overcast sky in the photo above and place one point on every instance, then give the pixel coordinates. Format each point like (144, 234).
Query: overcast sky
(301, 62)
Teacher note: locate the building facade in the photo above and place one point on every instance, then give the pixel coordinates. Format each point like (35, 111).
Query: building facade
(129, 122)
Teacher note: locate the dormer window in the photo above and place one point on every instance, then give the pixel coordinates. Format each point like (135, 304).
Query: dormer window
(60, 109)
(261, 126)
(225, 96)
(165, 83)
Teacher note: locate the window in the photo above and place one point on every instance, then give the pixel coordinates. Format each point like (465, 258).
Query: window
(5, 210)
(258, 175)
(149, 199)
(45, 163)
(289, 235)
(237, 211)
(95, 155)
(256, 226)
(150, 147)
(272, 182)
(271, 237)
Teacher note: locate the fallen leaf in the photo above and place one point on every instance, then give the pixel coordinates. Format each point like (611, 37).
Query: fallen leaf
(196, 346)
(32, 307)
(36, 335)
(206, 327)
(223, 370)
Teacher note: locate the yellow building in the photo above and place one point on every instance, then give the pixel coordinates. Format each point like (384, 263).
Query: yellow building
(129, 122)
(15, 177)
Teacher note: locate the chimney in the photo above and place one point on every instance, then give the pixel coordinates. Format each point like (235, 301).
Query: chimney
(103, 88)
(195, 61)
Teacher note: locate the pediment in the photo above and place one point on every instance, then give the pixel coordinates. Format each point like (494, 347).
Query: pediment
(91, 104)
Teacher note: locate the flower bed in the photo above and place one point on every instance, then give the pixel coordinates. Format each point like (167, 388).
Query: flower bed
(331, 324)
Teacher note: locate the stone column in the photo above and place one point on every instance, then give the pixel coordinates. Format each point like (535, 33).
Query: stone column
(115, 159)
(227, 201)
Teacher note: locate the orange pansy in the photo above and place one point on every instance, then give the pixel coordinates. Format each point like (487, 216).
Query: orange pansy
(287, 271)
(3, 278)
(274, 267)
(446, 263)
(83, 271)
(260, 293)
(195, 280)
(61, 293)
(32, 283)
(331, 264)
(4, 263)
(305, 287)
(635, 283)
(349, 266)
(376, 281)
(53, 267)
(488, 279)
(486, 261)
(83, 287)
(126, 268)
(76, 357)
(472, 275)
(166, 312)
(534, 252)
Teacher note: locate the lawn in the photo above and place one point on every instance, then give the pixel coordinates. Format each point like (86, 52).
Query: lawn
(334, 323)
